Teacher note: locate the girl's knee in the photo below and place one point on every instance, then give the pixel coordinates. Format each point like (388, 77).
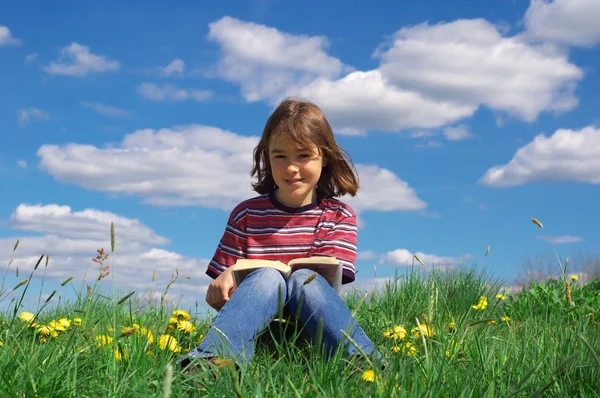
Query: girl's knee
(298, 278)
(268, 279)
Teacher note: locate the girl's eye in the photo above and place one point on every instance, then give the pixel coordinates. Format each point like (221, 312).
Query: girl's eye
(279, 156)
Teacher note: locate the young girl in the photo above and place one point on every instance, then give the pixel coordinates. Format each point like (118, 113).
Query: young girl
(299, 169)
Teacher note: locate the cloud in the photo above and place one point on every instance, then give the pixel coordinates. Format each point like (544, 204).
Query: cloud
(470, 62)
(457, 133)
(172, 93)
(558, 240)
(567, 155)
(22, 164)
(405, 257)
(366, 255)
(76, 60)
(27, 115)
(6, 38)
(106, 110)
(572, 22)
(196, 166)
(71, 238)
(29, 58)
(176, 67)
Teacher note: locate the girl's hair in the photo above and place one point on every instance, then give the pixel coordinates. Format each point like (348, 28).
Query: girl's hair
(304, 124)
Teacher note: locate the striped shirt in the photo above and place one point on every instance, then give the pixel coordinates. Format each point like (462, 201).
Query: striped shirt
(263, 228)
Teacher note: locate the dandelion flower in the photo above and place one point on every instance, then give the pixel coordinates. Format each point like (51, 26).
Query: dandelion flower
(103, 339)
(200, 338)
(46, 330)
(76, 321)
(574, 277)
(369, 375)
(120, 353)
(173, 320)
(481, 305)
(500, 296)
(505, 318)
(186, 326)
(127, 331)
(399, 333)
(425, 329)
(148, 334)
(168, 342)
(181, 315)
(451, 326)
(492, 322)
(27, 316)
(410, 349)
(395, 348)
(57, 326)
(65, 322)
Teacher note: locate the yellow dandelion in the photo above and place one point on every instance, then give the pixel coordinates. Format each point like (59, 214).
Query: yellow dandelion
(57, 326)
(574, 277)
(481, 304)
(46, 330)
(127, 331)
(27, 316)
(410, 349)
(396, 348)
(103, 339)
(388, 333)
(173, 320)
(505, 318)
(399, 333)
(168, 342)
(425, 329)
(120, 353)
(148, 334)
(186, 326)
(200, 338)
(451, 326)
(76, 321)
(181, 315)
(500, 296)
(369, 375)
(66, 322)
(447, 354)
(492, 322)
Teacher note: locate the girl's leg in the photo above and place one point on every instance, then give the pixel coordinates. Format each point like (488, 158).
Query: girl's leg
(318, 300)
(248, 311)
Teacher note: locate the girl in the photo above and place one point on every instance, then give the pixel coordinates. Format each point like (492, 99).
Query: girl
(299, 169)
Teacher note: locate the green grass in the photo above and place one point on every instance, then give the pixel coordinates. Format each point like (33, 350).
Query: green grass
(547, 348)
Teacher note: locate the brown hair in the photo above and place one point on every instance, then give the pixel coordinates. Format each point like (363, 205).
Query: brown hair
(304, 124)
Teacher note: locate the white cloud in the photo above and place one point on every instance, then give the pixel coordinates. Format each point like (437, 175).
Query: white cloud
(406, 258)
(176, 67)
(27, 115)
(558, 240)
(22, 164)
(106, 110)
(366, 255)
(196, 166)
(457, 133)
(572, 22)
(72, 237)
(6, 38)
(76, 60)
(567, 155)
(470, 62)
(170, 92)
(365, 101)
(29, 58)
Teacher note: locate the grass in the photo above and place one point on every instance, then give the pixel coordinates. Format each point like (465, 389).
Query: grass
(443, 334)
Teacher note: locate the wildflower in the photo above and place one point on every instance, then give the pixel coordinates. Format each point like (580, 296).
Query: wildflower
(168, 342)
(186, 326)
(127, 331)
(120, 353)
(65, 322)
(76, 321)
(57, 326)
(46, 330)
(173, 321)
(492, 322)
(200, 338)
(424, 329)
(369, 375)
(410, 349)
(148, 334)
(500, 296)
(481, 305)
(451, 326)
(505, 318)
(103, 339)
(395, 348)
(1, 343)
(27, 316)
(574, 277)
(447, 354)
(181, 315)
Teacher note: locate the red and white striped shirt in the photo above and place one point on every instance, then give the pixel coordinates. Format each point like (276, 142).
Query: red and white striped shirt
(263, 228)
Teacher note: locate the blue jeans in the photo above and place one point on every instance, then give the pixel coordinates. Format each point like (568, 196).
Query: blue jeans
(254, 305)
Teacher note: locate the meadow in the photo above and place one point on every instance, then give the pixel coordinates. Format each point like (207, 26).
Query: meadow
(453, 333)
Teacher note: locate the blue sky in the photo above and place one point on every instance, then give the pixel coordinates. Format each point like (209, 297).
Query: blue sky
(464, 122)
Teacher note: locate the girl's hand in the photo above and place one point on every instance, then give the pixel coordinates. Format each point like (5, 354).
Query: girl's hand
(221, 289)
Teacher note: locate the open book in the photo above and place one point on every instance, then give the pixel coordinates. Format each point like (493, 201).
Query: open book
(328, 267)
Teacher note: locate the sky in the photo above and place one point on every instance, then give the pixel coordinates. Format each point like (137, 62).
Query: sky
(464, 121)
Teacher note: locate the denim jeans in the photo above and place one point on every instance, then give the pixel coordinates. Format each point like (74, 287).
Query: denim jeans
(254, 304)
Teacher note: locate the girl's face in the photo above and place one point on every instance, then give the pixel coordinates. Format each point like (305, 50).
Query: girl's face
(295, 171)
